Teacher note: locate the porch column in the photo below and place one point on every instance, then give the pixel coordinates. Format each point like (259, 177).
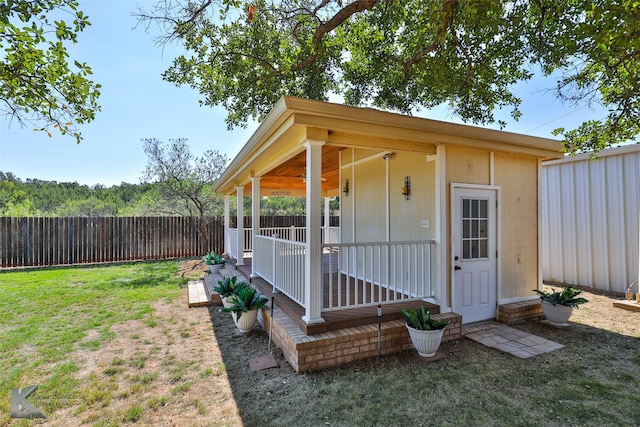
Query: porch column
(240, 225)
(313, 259)
(255, 220)
(227, 243)
(326, 218)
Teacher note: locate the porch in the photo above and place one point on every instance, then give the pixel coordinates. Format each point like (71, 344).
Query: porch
(345, 336)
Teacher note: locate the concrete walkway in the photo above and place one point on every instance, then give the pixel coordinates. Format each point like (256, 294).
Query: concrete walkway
(509, 340)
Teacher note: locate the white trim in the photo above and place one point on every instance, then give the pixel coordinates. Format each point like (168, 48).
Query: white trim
(387, 201)
(614, 151)
(492, 168)
(441, 228)
(540, 228)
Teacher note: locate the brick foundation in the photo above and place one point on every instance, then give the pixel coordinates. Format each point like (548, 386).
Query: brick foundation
(519, 311)
(334, 348)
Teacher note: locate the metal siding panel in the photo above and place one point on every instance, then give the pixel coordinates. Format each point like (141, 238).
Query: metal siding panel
(631, 166)
(599, 225)
(555, 225)
(584, 266)
(544, 222)
(568, 223)
(615, 222)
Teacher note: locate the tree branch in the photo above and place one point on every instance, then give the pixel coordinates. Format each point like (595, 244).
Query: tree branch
(448, 9)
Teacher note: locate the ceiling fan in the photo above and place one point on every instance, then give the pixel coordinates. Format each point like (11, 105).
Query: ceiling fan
(304, 177)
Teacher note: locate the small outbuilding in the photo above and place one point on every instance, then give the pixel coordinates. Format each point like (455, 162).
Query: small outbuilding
(429, 211)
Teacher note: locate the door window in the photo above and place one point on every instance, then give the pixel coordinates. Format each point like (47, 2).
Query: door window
(475, 240)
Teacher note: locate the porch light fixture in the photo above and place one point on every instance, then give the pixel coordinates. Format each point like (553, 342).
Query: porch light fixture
(406, 189)
(345, 189)
(389, 156)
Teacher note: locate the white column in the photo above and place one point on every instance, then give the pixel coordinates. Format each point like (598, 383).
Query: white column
(313, 259)
(327, 217)
(227, 243)
(240, 220)
(255, 220)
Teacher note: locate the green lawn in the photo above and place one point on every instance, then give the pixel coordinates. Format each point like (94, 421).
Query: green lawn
(47, 314)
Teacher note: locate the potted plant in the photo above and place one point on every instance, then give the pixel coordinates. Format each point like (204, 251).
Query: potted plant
(245, 303)
(425, 333)
(228, 287)
(558, 306)
(214, 261)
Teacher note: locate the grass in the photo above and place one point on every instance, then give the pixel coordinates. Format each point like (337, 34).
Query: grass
(47, 314)
(64, 330)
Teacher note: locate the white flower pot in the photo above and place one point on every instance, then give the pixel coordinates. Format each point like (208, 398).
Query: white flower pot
(215, 268)
(426, 342)
(226, 302)
(558, 314)
(246, 322)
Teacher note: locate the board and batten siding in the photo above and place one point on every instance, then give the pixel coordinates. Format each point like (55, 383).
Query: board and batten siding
(590, 217)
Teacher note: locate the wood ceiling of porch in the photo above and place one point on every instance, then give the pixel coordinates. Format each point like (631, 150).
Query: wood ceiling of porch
(290, 175)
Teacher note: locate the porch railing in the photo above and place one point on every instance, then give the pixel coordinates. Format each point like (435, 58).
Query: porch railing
(281, 263)
(296, 234)
(366, 274)
(354, 274)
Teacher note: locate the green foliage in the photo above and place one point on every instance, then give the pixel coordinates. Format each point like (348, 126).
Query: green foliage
(212, 258)
(406, 55)
(229, 286)
(34, 197)
(421, 319)
(568, 296)
(245, 299)
(39, 85)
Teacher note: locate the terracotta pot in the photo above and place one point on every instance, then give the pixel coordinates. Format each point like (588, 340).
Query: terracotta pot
(557, 315)
(426, 342)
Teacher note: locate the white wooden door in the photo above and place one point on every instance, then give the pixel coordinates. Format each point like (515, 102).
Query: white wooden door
(474, 233)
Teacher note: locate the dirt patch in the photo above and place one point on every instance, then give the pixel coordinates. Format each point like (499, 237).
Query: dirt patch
(189, 367)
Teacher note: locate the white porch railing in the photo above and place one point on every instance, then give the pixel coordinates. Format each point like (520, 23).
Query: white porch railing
(281, 263)
(366, 274)
(354, 274)
(296, 234)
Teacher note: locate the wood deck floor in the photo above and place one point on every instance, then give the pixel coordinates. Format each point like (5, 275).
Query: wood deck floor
(337, 319)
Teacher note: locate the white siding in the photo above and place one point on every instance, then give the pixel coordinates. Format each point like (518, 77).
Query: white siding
(590, 217)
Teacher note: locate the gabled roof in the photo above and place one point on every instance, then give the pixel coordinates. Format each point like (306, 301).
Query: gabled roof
(275, 151)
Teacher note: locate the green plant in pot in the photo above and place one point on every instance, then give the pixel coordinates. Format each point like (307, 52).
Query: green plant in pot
(227, 287)
(425, 332)
(214, 261)
(558, 305)
(245, 303)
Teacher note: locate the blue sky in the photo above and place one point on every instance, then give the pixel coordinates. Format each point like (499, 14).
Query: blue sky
(137, 103)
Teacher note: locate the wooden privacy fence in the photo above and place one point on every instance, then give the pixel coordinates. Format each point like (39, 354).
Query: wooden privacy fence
(26, 242)
(58, 241)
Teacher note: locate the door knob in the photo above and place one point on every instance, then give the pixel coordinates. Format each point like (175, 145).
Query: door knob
(457, 267)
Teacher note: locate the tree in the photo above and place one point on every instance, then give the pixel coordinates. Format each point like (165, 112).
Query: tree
(39, 86)
(407, 55)
(184, 182)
